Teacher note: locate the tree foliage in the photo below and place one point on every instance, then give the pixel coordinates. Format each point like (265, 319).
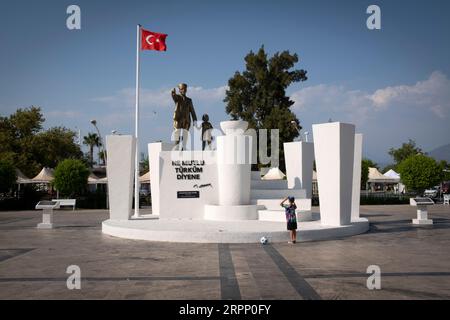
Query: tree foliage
(258, 94)
(7, 176)
(24, 143)
(419, 172)
(407, 150)
(92, 140)
(71, 177)
(365, 164)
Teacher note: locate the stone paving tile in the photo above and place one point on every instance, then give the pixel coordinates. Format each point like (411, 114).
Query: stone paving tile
(414, 261)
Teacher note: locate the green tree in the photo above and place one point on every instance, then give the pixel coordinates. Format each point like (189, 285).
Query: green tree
(71, 177)
(389, 167)
(365, 164)
(101, 156)
(54, 145)
(258, 95)
(144, 165)
(7, 176)
(407, 150)
(419, 172)
(445, 170)
(24, 142)
(92, 140)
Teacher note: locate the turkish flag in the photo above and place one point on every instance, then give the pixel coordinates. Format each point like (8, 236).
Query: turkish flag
(153, 41)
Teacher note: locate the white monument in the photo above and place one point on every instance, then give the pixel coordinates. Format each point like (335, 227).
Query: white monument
(299, 157)
(356, 190)
(120, 173)
(212, 196)
(334, 145)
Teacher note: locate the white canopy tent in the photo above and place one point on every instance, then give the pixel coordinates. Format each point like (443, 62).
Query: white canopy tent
(392, 174)
(93, 179)
(145, 178)
(21, 178)
(380, 182)
(45, 176)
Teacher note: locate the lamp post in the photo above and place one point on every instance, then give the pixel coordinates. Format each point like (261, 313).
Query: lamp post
(306, 136)
(94, 122)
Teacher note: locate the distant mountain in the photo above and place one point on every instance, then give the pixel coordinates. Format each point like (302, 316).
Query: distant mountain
(441, 153)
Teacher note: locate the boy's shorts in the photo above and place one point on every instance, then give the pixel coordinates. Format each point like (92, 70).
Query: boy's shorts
(292, 225)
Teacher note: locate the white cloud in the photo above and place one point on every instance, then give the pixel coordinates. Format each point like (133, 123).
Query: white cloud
(62, 114)
(432, 94)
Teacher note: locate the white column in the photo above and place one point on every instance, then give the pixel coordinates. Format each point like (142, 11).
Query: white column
(334, 146)
(299, 159)
(154, 163)
(356, 190)
(234, 167)
(120, 173)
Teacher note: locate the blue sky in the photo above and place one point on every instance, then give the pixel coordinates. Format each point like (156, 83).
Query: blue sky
(393, 83)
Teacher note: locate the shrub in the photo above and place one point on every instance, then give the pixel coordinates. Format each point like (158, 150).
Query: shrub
(71, 177)
(419, 172)
(7, 176)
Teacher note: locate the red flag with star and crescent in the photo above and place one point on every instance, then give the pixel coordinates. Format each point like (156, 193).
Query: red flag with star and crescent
(153, 40)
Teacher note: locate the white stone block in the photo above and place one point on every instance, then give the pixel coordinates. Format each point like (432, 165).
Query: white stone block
(356, 190)
(120, 172)
(334, 147)
(184, 196)
(154, 165)
(234, 167)
(299, 159)
(47, 219)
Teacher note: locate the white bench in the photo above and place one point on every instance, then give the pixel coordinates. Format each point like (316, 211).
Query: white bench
(66, 202)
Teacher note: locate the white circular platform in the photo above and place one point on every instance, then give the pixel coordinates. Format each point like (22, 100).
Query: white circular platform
(202, 231)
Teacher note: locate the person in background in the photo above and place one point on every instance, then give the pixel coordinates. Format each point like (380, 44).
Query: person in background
(291, 217)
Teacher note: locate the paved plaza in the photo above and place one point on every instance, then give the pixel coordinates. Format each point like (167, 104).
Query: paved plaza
(414, 262)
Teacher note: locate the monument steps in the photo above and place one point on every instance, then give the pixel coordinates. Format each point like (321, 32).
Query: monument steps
(279, 216)
(277, 193)
(274, 204)
(269, 184)
(256, 175)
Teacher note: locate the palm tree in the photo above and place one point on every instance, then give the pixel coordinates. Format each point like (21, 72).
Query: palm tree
(101, 155)
(92, 140)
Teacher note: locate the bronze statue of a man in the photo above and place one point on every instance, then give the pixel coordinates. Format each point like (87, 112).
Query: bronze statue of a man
(184, 110)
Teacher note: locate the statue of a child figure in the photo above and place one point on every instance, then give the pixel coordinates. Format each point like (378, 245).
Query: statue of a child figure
(206, 132)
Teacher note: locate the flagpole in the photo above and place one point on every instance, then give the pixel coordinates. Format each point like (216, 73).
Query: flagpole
(136, 175)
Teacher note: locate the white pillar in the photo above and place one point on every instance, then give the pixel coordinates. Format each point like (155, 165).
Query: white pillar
(334, 146)
(234, 164)
(120, 173)
(299, 159)
(234, 167)
(154, 165)
(356, 190)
